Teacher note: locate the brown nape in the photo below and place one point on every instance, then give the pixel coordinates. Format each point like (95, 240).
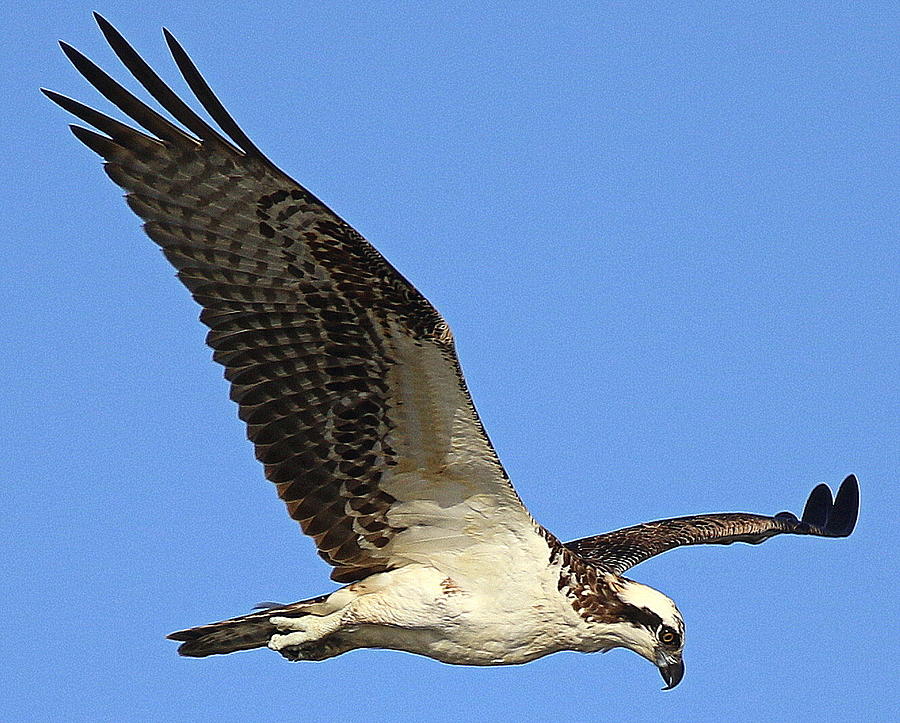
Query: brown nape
(592, 594)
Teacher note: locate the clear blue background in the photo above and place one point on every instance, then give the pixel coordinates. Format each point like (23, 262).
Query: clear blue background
(665, 235)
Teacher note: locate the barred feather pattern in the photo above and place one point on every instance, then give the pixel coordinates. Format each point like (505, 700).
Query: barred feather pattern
(310, 322)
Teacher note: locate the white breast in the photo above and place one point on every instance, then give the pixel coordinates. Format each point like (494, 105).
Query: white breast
(486, 605)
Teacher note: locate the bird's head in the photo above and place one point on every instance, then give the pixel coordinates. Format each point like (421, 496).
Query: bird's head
(651, 625)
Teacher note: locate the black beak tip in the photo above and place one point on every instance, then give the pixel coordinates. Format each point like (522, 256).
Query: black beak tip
(672, 674)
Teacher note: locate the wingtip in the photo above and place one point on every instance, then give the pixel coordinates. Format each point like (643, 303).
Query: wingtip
(58, 98)
(82, 63)
(106, 27)
(818, 506)
(61, 100)
(845, 512)
(172, 43)
(178, 52)
(833, 517)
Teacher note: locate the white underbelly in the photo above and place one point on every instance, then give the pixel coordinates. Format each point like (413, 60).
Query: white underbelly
(425, 611)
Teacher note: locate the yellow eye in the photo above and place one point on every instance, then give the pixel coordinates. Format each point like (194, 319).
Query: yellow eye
(667, 636)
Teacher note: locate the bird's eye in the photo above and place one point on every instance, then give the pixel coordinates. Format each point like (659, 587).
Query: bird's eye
(667, 636)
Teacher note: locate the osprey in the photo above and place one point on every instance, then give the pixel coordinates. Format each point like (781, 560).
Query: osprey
(353, 397)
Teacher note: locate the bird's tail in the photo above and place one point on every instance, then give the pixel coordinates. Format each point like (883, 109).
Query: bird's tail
(242, 633)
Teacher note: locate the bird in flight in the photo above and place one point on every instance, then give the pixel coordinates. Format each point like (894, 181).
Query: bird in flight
(348, 381)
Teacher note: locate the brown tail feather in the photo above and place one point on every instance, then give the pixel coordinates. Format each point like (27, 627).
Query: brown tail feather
(241, 633)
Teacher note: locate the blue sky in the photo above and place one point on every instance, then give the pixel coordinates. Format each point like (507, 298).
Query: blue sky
(665, 236)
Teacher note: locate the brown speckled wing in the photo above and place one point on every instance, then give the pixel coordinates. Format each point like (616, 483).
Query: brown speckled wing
(620, 550)
(345, 375)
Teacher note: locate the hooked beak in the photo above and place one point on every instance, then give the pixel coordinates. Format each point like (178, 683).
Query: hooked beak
(671, 670)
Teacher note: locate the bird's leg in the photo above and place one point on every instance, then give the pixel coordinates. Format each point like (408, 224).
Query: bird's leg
(304, 638)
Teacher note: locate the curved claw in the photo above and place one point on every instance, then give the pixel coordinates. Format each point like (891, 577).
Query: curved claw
(267, 605)
(835, 518)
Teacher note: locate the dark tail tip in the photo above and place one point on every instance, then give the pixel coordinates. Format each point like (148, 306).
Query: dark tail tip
(194, 649)
(228, 636)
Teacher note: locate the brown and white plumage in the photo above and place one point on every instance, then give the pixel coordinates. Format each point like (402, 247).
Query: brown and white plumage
(352, 394)
(345, 375)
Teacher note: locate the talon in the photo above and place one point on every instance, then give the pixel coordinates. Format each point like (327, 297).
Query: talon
(293, 646)
(279, 642)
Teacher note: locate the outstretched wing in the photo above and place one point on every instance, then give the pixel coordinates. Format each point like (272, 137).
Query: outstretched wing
(617, 551)
(346, 376)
